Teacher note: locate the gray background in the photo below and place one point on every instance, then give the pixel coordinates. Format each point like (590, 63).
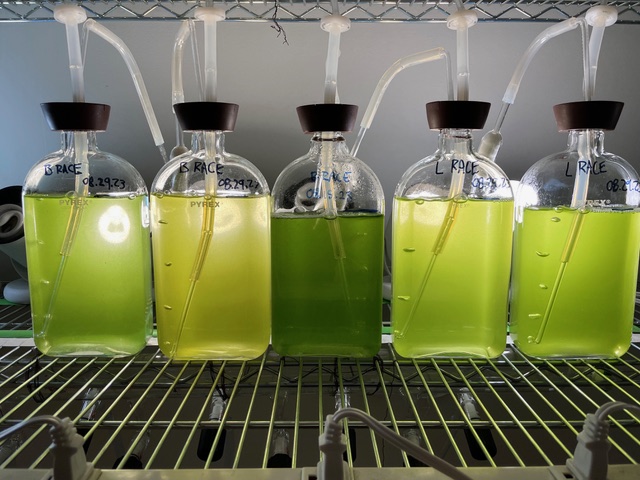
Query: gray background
(269, 79)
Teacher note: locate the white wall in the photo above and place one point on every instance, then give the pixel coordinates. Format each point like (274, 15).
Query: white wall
(269, 79)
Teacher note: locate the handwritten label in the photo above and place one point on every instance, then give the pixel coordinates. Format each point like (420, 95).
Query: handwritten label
(459, 166)
(73, 168)
(588, 167)
(489, 182)
(337, 177)
(202, 167)
(238, 184)
(623, 185)
(111, 183)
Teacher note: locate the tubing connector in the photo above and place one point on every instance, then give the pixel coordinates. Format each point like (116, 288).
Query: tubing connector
(601, 16)
(462, 19)
(214, 14)
(70, 461)
(591, 459)
(333, 444)
(69, 14)
(335, 24)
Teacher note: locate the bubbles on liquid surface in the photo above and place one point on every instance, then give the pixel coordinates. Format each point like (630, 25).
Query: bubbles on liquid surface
(542, 254)
(419, 201)
(131, 196)
(460, 198)
(70, 194)
(159, 194)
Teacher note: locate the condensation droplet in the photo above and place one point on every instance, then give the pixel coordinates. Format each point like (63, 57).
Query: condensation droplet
(409, 249)
(542, 254)
(403, 297)
(167, 307)
(555, 219)
(543, 286)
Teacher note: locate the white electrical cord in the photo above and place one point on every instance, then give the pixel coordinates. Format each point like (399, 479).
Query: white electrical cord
(332, 445)
(591, 458)
(69, 460)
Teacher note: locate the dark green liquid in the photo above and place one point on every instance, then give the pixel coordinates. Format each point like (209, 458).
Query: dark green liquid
(323, 305)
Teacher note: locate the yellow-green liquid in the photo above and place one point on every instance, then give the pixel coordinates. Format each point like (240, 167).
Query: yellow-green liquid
(451, 263)
(229, 314)
(592, 313)
(103, 304)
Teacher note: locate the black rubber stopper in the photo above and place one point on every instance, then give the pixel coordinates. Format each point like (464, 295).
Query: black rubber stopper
(327, 117)
(457, 114)
(279, 460)
(207, 116)
(76, 116)
(599, 115)
(207, 437)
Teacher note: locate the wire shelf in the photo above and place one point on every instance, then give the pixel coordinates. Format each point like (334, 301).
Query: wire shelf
(529, 411)
(428, 11)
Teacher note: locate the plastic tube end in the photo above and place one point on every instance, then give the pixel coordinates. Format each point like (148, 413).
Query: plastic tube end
(69, 14)
(601, 16)
(462, 19)
(335, 24)
(210, 14)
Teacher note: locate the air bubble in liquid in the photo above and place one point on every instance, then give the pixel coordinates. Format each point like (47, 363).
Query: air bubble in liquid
(167, 307)
(409, 249)
(542, 254)
(531, 339)
(534, 315)
(555, 219)
(168, 264)
(543, 286)
(419, 201)
(403, 297)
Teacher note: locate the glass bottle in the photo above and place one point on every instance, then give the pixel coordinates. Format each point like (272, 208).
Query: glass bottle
(327, 245)
(87, 240)
(210, 225)
(451, 253)
(577, 238)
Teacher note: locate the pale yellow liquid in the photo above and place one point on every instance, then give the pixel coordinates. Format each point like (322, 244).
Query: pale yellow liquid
(229, 315)
(460, 252)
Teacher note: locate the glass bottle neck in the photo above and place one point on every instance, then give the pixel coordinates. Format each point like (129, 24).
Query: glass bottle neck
(454, 140)
(333, 141)
(210, 141)
(591, 140)
(71, 140)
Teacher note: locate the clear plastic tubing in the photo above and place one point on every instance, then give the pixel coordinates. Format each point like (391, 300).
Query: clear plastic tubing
(460, 21)
(71, 16)
(134, 70)
(177, 89)
(599, 17)
(210, 17)
(333, 24)
(384, 82)
(491, 142)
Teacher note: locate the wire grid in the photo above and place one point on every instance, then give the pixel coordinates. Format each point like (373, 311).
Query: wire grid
(529, 411)
(314, 10)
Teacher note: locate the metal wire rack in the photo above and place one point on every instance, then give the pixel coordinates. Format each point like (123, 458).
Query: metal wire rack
(314, 10)
(147, 412)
